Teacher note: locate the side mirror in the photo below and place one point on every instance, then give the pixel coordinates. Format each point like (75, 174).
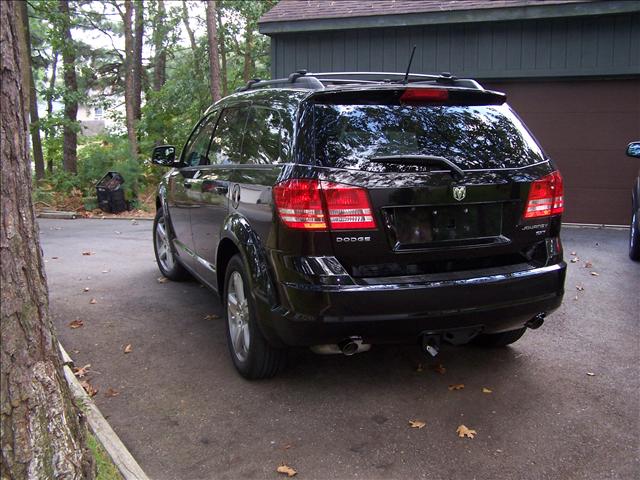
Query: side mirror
(633, 150)
(164, 155)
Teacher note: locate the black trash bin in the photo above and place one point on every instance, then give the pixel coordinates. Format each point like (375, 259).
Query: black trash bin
(110, 193)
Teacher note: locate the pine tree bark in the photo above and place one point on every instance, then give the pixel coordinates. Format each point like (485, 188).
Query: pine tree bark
(52, 84)
(36, 144)
(223, 55)
(137, 59)
(42, 433)
(160, 57)
(129, 83)
(70, 135)
(214, 62)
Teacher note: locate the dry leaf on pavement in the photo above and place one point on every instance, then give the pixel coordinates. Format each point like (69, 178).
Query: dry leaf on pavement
(286, 469)
(112, 392)
(54, 258)
(591, 374)
(105, 271)
(575, 260)
(128, 348)
(416, 423)
(439, 368)
(463, 431)
(163, 279)
(87, 253)
(211, 317)
(573, 253)
(93, 301)
(86, 289)
(456, 386)
(76, 324)
(90, 389)
(81, 372)
(588, 265)
(580, 288)
(486, 390)
(595, 274)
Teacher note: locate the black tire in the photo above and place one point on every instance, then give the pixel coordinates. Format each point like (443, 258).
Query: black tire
(496, 340)
(166, 258)
(259, 359)
(634, 239)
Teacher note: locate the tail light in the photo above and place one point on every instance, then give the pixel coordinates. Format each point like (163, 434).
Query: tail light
(309, 204)
(419, 95)
(546, 197)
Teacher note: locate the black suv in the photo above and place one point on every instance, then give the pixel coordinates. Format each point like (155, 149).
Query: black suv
(338, 211)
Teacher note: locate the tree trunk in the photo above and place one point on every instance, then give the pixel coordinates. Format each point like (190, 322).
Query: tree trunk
(192, 40)
(52, 84)
(70, 135)
(248, 59)
(129, 83)
(42, 434)
(214, 62)
(160, 61)
(36, 144)
(137, 59)
(223, 56)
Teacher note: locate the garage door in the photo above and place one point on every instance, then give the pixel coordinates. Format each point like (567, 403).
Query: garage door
(585, 127)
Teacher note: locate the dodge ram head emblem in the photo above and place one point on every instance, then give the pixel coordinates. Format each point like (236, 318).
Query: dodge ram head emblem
(459, 192)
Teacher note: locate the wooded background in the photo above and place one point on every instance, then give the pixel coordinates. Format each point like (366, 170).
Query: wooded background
(166, 61)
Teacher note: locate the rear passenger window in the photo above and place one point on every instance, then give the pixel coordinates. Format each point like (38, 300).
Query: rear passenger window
(263, 143)
(227, 140)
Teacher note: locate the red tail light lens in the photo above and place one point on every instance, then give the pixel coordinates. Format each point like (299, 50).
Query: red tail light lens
(546, 197)
(313, 205)
(419, 95)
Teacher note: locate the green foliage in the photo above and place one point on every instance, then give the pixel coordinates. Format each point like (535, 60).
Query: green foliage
(106, 470)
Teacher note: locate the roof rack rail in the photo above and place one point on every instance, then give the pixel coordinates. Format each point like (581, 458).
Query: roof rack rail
(318, 81)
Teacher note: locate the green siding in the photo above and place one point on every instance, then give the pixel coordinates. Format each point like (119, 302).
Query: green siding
(606, 45)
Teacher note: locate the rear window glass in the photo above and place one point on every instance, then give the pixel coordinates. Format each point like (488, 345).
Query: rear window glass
(473, 137)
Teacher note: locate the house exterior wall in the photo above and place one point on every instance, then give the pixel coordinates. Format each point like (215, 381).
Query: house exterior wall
(541, 48)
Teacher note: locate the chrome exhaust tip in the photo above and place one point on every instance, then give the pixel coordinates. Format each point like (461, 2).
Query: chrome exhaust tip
(348, 346)
(537, 321)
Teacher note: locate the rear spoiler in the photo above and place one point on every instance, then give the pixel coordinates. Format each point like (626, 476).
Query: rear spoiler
(407, 95)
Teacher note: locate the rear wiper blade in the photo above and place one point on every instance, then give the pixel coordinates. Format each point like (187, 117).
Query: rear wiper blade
(419, 160)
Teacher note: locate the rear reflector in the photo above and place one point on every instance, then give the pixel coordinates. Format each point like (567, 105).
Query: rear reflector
(546, 197)
(419, 95)
(310, 204)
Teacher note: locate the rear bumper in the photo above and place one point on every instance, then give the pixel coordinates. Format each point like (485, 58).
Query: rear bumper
(400, 312)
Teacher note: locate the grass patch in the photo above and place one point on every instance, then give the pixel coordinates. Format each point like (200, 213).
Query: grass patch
(106, 469)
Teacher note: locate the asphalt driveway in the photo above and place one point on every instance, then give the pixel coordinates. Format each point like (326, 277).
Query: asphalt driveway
(185, 414)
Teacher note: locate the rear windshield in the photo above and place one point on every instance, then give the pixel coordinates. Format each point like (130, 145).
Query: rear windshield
(473, 137)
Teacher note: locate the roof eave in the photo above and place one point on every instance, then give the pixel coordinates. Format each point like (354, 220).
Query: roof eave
(530, 12)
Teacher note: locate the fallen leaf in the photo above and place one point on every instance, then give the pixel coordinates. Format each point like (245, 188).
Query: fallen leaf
(76, 324)
(591, 374)
(87, 253)
(287, 470)
(573, 253)
(439, 368)
(93, 301)
(287, 446)
(134, 222)
(595, 274)
(163, 279)
(576, 297)
(580, 288)
(588, 264)
(456, 386)
(416, 424)
(90, 389)
(463, 431)
(105, 271)
(117, 232)
(128, 348)
(86, 289)
(211, 317)
(419, 368)
(575, 260)
(486, 390)
(81, 372)
(111, 392)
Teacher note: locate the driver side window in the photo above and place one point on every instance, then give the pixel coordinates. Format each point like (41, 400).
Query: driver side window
(197, 149)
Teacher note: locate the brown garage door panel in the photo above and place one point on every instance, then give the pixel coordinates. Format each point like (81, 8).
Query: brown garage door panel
(585, 125)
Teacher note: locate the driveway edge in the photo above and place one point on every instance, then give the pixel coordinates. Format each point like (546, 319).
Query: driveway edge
(120, 456)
